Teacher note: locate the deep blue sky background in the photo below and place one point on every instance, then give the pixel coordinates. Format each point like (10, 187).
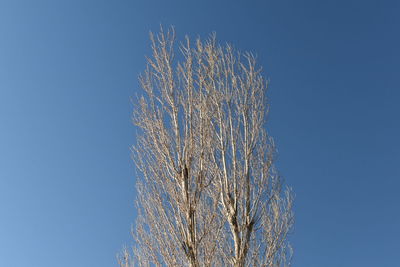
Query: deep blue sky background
(68, 68)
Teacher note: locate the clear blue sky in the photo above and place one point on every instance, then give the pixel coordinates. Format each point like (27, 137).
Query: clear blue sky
(68, 68)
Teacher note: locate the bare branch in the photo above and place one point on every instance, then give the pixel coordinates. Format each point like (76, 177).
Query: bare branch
(208, 194)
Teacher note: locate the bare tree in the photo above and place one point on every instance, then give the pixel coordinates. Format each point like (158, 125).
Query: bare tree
(208, 194)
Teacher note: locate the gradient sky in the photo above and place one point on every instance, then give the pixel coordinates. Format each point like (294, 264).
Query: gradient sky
(68, 69)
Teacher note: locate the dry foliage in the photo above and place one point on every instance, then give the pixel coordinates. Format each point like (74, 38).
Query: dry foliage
(208, 194)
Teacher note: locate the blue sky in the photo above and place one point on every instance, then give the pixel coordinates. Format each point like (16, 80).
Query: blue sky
(68, 69)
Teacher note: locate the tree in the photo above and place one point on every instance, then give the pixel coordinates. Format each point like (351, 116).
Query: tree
(208, 193)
